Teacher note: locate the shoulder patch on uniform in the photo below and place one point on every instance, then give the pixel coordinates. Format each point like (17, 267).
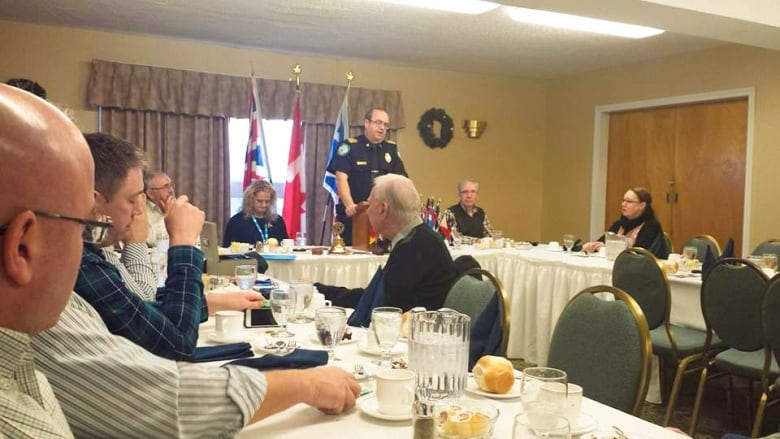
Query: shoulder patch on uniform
(390, 142)
(343, 149)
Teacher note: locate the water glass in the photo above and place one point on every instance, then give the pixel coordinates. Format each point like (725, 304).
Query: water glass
(386, 323)
(690, 253)
(439, 353)
(281, 307)
(330, 323)
(301, 293)
(568, 241)
(537, 389)
(300, 239)
(769, 261)
(542, 424)
(246, 276)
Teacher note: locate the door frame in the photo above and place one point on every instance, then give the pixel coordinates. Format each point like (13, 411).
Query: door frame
(601, 148)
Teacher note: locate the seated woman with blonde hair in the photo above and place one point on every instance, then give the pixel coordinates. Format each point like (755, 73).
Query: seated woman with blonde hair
(257, 220)
(637, 222)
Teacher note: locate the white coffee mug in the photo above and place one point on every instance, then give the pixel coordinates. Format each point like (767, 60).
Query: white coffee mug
(553, 244)
(395, 391)
(228, 324)
(572, 402)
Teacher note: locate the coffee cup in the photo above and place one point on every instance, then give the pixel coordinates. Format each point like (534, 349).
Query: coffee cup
(287, 245)
(228, 324)
(571, 400)
(554, 244)
(395, 391)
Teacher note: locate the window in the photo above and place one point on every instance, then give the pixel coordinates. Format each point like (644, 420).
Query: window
(277, 140)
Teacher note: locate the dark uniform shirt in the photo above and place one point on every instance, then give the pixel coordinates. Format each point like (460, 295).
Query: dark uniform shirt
(363, 161)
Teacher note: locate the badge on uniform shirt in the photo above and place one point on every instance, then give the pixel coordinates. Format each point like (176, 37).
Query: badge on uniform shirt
(387, 157)
(361, 163)
(343, 149)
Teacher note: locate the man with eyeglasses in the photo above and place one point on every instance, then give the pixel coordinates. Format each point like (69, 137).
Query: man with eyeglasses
(40, 246)
(466, 220)
(160, 191)
(358, 161)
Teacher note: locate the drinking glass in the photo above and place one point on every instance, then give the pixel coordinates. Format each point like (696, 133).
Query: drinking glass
(246, 276)
(281, 307)
(568, 241)
(386, 321)
(300, 239)
(439, 353)
(537, 390)
(330, 323)
(690, 253)
(769, 260)
(542, 424)
(301, 293)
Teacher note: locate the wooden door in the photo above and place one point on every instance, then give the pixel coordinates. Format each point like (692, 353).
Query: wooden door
(691, 158)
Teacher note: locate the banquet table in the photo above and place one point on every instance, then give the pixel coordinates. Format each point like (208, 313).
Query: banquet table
(539, 282)
(304, 421)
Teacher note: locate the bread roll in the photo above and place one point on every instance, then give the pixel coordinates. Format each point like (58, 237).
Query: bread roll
(494, 374)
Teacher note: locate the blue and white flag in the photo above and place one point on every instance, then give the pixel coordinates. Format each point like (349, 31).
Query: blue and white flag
(340, 134)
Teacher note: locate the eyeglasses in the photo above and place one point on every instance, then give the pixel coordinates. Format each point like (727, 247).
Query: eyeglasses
(631, 201)
(94, 231)
(380, 123)
(165, 186)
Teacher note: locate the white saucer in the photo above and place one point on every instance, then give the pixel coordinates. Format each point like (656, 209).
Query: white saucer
(357, 334)
(587, 424)
(241, 336)
(555, 249)
(399, 348)
(370, 406)
(473, 388)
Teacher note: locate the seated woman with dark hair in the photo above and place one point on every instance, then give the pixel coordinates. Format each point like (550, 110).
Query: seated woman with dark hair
(638, 223)
(257, 220)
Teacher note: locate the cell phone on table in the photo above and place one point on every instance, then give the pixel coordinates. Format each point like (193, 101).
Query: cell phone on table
(259, 318)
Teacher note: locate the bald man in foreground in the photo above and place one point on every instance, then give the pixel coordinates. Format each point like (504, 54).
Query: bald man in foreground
(106, 385)
(41, 229)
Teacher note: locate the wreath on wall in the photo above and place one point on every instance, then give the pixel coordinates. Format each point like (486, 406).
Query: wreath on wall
(425, 127)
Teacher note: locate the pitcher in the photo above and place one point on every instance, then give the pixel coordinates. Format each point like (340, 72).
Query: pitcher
(439, 353)
(615, 244)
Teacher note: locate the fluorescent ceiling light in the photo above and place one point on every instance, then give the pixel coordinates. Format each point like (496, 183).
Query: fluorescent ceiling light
(462, 6)
(574, 22)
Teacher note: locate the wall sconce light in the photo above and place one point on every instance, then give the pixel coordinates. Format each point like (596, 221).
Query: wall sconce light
(474, 128)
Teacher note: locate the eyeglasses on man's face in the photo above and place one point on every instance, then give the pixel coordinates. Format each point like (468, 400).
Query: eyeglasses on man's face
(165, 186)
(380, 123)
(631, 201)
(95, 232)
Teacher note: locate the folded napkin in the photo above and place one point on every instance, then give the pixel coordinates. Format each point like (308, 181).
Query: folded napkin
(709, 261)
(223, 352)
(576, 247)
(728, 249)
(297, 359)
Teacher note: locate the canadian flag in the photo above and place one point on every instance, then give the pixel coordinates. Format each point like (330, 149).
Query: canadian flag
(294, 189)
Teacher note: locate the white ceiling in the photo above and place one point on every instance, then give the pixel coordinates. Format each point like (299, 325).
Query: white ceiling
(377, 31)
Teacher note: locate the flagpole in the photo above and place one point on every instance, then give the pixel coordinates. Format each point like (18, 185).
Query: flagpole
(329, 204)
(265, 147)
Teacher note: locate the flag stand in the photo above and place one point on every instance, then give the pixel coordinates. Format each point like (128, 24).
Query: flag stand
(328, 208)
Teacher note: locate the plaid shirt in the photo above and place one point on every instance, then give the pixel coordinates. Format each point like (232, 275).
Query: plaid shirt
(27, 405)
(167, 326)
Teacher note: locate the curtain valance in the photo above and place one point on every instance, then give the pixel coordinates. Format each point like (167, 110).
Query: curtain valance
(146, 88)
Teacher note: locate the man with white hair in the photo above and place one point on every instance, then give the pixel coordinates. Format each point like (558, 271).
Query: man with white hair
(419, 271)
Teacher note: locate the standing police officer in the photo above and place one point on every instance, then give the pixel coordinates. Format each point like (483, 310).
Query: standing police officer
(358, 161)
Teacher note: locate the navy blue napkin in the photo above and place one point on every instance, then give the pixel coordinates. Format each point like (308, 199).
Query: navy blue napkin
(728, 249)
(373, 296)
(709, 260)
(297, 359)
(223, 352)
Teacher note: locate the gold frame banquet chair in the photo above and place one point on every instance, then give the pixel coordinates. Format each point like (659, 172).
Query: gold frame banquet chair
(210, 247)
(768, 246)
(770, 313)
(637, 272)
(591, 331)
(732, 300)
(471, 293)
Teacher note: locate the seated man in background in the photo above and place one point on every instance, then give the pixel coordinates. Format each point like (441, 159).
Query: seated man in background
(169, 325)
(107, 386)
(160, 191)
(40, 239)
(419, 271)
(465, 219)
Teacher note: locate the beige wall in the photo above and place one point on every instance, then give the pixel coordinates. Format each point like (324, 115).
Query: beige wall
(505, 160)
(570, 120)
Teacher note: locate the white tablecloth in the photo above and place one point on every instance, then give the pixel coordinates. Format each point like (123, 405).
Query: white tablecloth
(304, 421)
(539, 283)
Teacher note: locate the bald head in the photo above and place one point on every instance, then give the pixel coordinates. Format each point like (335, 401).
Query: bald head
(394, 202)
(47, 168)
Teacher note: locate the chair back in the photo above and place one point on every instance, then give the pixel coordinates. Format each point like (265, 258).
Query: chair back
(771, 316)
(701, 242)
(636, 271)
(472, 292)
(668, 241)
(768, 246)
(604, 346)
(732, 295)
(209, 243)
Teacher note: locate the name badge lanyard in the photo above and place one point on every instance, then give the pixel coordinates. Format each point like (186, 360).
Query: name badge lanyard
(262, 231)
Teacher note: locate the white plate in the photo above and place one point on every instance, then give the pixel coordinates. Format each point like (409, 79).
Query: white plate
(399, 348)
(555, 249)
(357, 334)
(370, 406)
(587, 424)
(241, 336)
(514, 392)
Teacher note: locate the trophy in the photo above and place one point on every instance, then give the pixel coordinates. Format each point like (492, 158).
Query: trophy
(338, 246)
